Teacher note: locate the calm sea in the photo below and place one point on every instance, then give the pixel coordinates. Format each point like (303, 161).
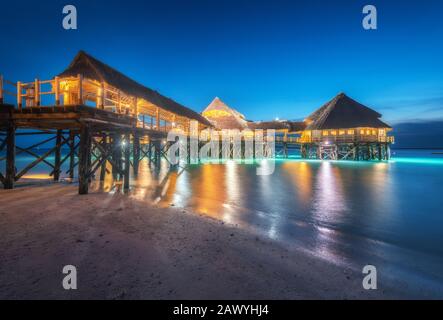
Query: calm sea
(388, 214)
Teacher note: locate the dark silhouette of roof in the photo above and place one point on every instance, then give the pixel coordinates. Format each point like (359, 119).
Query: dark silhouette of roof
(344, 112)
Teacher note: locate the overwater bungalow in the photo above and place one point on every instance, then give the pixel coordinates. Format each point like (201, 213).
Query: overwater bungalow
(342, 129)
(221, 116)
(345, 129)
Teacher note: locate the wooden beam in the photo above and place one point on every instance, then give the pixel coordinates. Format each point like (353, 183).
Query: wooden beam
(57, 156)
(113, 149)
(9, 179)
(28, 151)
(84, 161)
(127, 161)
(72, 148)
(57, 90)
(80, 89)
(19, 95)
(136, 152)
(37, 92)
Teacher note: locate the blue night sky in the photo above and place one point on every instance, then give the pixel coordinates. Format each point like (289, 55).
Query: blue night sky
(265, 58)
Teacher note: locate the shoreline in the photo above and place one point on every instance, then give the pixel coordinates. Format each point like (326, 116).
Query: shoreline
(128, 249)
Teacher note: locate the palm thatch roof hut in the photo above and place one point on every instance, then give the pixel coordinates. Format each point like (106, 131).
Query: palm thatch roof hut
(221, 116)
(344, 112)
(92, 69)
(344, 128)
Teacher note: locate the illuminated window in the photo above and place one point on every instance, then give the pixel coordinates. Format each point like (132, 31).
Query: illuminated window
(334, 133)
(350, 131)
(362, 132)
(325, 132)
(381, 132)
(368, 132)
(341, 132)
(374, 132)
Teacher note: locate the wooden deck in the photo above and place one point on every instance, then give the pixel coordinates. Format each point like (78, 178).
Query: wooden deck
(72, 117)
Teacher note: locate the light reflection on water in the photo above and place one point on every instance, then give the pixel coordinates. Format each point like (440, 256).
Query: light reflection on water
(345, 212)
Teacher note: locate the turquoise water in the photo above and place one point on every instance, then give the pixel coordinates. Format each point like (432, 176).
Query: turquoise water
(389, 214)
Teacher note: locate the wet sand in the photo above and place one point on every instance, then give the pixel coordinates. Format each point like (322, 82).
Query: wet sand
(128, 249)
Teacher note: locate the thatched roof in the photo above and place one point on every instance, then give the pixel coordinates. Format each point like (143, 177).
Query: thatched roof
(94, 69)
(291, 126)
(344, 112)
(224, 117)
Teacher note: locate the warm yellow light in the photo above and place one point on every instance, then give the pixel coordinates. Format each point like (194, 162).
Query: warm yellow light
(362, 132)
(373, 132)
(350, 131)
(341, 132)
(334, 133)
(325, 132)
(368, 132)
(216, 114)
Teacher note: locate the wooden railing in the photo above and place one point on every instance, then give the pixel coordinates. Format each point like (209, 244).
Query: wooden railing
(80, 91)
(347, 139)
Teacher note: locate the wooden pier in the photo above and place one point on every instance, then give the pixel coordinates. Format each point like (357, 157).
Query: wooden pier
(99, 115)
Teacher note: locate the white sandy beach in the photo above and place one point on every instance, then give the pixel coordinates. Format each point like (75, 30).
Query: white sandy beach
(126, 249)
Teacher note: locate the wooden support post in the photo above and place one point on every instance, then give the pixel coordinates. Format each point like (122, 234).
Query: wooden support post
(10, 157)
(136, 152)
(127, 161)
(136, 110)
(84, 161)
(116, 155)
(72, 155)
(57, 90)
(80, 89)
(57, 155)
(37, 92)
(157, 118)
(19, 95)
(150, 150)
(103, 166)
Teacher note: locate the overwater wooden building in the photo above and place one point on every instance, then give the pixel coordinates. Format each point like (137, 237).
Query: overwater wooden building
(342, 129)
(99, 114)
(345, 129)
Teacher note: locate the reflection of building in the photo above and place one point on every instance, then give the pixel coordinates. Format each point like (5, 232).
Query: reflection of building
(341, 129)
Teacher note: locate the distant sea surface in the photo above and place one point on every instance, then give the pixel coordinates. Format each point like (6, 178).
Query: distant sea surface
(389, 214)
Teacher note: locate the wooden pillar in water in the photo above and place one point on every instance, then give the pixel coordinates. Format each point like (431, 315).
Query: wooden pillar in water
(380, 155)
(10, 157)
(127, 160)
(84, 159)
(57, 155)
